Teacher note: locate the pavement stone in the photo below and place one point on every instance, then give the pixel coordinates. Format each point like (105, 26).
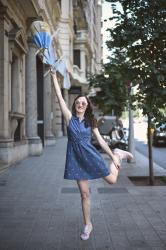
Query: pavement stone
(40, 210)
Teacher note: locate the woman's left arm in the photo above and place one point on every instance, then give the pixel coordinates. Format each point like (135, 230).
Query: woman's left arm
(105, 146)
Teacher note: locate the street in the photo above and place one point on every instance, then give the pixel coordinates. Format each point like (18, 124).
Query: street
(159, 153)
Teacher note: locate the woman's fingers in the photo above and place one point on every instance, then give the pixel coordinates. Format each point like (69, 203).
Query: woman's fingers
(117, 165)
(52, 71)
(116, 161)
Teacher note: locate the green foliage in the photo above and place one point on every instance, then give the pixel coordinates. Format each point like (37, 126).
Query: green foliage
(112, 93)
(138, 55)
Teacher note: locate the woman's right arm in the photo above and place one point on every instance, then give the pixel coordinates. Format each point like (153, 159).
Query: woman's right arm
(65, 111)
(105, 147)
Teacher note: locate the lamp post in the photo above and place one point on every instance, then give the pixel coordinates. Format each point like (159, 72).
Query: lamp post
(131, 144)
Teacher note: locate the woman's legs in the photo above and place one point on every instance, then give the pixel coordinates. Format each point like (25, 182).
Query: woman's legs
(112, 177)
(120, 154)
(85, 200)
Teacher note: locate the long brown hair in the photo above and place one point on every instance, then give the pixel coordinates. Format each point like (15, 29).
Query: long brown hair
(90, 119)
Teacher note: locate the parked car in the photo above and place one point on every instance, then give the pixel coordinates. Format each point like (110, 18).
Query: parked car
(159, 135)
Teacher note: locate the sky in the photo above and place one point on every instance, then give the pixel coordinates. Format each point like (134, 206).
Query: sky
(106, 13)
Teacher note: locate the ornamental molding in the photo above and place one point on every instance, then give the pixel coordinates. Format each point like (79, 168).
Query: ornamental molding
(17, 38)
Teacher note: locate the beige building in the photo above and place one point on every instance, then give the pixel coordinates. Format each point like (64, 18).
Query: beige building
(30, 117)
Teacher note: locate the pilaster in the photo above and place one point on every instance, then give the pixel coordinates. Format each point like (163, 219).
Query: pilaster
(66, 98)
(48, 115)
(35, 145)
(4, 86)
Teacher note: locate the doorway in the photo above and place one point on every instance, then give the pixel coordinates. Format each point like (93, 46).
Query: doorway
(40, 99)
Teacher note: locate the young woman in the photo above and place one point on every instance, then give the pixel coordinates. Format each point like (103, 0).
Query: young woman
(83, 161)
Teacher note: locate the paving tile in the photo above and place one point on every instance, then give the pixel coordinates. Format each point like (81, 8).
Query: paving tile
(39, 210)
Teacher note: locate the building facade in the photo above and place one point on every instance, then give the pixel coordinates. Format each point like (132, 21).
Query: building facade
(30, 117)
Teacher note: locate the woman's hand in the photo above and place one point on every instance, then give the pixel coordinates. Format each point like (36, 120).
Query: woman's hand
(106, 148)
(52, 72)
(116, 162)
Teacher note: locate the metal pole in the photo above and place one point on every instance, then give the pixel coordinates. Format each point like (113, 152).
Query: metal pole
(131, 144)
(151, 174)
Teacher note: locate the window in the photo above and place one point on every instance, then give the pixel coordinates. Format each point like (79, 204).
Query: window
(59, 1)
(17, 133)
(77, 58)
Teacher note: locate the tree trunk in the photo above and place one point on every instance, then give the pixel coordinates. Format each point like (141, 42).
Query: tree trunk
(151, 174)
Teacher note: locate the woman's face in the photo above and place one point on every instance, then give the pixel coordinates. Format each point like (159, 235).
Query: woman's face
(81, 105)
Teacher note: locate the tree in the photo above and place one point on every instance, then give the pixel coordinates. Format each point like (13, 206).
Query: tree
(113, 86)
(139, 37)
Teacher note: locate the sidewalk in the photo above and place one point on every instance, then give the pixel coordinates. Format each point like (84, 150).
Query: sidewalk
(39, 210)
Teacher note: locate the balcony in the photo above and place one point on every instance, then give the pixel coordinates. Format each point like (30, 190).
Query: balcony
(78, 75)
(81, 37)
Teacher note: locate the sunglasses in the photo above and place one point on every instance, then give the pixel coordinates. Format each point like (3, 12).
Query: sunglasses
(84, 104)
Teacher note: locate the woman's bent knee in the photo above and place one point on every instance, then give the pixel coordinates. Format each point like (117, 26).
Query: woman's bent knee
(110, 179)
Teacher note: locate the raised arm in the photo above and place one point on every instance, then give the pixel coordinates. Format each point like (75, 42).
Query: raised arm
(105, 146)
(65, 111)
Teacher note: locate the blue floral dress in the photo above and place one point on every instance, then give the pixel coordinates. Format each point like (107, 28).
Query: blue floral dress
(83, 161)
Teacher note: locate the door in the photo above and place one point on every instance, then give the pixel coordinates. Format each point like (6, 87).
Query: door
(40, 100)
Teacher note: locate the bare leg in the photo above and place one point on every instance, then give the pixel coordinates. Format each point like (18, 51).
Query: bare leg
(120, 154)
(85, 200)
(112, 177)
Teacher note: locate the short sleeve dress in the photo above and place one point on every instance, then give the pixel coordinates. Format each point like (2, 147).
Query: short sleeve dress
(83, 161)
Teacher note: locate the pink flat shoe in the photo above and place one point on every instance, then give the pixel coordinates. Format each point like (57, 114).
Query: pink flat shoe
(86, 233)
(123, 154)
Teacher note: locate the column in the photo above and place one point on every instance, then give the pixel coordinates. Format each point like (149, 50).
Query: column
(4, 85)
(57, 115)
(48, 115)
(6, 142)
(53, 110)
(65, 8)
(35, 145)
(58, 119)
(66, 98)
